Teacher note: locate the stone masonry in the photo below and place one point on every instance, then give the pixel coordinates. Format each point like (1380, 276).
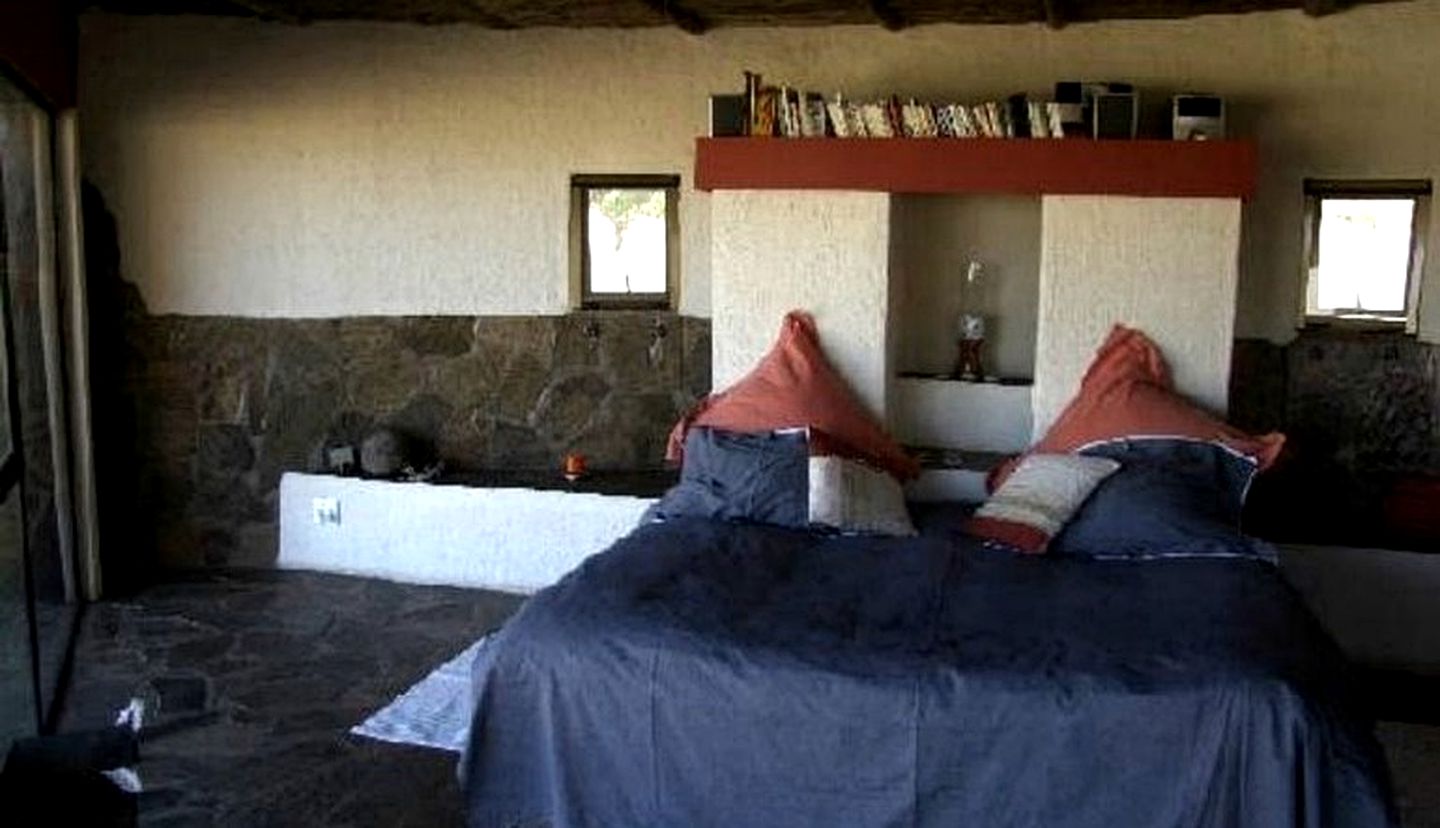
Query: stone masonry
(217, 408)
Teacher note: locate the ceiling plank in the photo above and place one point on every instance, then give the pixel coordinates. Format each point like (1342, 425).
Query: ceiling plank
(889, 16)
(698, 16)
(480, 13)
(1055, 14)
(270, 11)
(688, 20)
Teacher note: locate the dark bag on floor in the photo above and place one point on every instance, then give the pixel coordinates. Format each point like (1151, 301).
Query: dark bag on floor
(57, 780)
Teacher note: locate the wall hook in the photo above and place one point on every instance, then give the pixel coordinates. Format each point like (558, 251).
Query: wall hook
(656, 351)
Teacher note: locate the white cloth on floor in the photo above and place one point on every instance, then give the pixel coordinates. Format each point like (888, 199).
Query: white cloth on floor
(434, 713)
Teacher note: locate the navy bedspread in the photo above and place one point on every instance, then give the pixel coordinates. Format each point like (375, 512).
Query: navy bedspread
(709, 674)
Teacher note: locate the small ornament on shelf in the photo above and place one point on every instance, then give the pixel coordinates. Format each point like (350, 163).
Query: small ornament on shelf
(970, 331)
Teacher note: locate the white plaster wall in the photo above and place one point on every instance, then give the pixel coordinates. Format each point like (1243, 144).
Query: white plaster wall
(826, 253)
(1164, 265)
(267, 170)
(518, 540)
(330, 169)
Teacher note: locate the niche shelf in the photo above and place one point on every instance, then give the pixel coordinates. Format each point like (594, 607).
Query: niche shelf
(1069, 166)
(996, 417)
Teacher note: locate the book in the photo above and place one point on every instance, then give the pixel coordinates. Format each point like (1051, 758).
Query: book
(877, 119)
(1039, 123)
(945, 125)
(812, 115)
(762, 117)
(981, 117)
(917, 120)
(965, 126)
(894, 116)
(839, 122)
(855, 120)
(1055, 114)
(1017, 115)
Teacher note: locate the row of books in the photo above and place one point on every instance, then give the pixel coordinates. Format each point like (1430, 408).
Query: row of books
(787, 113)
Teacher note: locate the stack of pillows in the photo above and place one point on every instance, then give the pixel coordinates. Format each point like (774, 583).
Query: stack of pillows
(1130, 469)
(789, 444)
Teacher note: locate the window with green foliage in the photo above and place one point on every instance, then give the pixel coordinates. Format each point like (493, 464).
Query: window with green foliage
(623, 239)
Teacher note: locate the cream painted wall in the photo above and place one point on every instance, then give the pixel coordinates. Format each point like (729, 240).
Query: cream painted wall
(1163, 265)
(828, 253)
(332, 169)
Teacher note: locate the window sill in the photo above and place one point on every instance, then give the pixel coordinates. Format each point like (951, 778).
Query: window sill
(1356, 323)
(627, 305)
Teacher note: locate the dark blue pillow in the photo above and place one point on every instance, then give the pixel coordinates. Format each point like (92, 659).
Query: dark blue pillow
(1170, 498)
(759, 478)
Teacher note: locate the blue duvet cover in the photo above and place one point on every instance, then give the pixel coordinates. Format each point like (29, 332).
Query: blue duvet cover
(701, 673)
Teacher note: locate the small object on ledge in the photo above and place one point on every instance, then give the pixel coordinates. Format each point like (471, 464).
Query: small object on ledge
(426, 475)
(340, 460)
(383, 453)
(968, 362)
(574, 466)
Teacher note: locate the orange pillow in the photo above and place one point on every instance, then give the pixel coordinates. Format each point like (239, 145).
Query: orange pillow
(1127, 392)
(793, 386)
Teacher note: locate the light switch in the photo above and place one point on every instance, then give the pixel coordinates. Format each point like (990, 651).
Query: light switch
(326, 511)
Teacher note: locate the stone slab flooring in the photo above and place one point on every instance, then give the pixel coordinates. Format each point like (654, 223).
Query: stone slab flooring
(254, 680)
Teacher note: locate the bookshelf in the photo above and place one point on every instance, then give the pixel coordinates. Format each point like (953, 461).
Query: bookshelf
(1180, 169)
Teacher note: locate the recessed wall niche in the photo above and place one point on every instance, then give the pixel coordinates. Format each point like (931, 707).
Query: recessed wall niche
(933, 238)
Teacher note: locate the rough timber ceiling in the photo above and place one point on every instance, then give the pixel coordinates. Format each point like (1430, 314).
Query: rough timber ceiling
(698, 16)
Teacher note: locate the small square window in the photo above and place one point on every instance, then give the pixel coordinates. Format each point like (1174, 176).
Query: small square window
(623, 234)
(1364, 251)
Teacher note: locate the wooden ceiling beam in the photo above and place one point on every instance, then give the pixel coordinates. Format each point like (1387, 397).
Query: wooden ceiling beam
(1055, 14)
(482, 14)
(687, 20)
(270, 11)
(889, 16)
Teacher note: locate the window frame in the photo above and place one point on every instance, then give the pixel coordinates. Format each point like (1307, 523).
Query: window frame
(586, 299)
(1316, 192)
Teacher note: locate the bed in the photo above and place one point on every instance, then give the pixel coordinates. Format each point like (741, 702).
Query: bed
(785, 643)
(710, 673)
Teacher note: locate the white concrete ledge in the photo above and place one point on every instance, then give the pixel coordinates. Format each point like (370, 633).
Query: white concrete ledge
(977, 416)
(516, 540)
(1382, 606)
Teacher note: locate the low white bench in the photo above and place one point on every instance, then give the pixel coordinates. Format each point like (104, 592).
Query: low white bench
(511, 539)
(1382, 606)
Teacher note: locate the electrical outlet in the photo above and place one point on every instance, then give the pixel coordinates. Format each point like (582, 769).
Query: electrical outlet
(326, 511)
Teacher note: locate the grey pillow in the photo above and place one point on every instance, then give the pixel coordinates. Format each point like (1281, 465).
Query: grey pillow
(758, 478)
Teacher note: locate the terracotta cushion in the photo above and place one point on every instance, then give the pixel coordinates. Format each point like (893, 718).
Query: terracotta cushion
(1127, 392)
(794, 386)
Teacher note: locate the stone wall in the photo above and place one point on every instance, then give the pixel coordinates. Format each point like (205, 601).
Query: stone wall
(217, 408)
(1362, 413)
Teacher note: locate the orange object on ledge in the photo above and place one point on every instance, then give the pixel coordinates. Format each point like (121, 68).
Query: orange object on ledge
(574, 466)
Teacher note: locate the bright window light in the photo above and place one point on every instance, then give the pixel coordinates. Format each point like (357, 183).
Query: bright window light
(1364, 256)
(623, 231)
(626, 233)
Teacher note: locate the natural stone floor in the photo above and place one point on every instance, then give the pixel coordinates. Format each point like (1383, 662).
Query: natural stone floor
(254, 680)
